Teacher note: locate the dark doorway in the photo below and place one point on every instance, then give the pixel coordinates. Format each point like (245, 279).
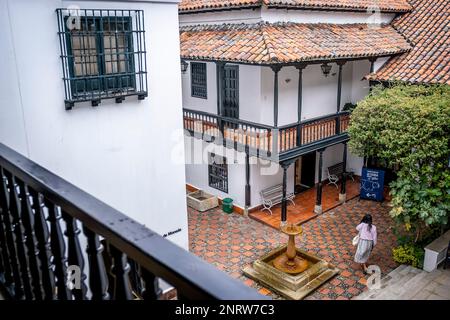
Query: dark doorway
(305, 172)
(230, 94)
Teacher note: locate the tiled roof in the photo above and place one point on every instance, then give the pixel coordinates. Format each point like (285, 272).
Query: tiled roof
(199, 5)
(265, 43)
(347, 5)
(427, 28)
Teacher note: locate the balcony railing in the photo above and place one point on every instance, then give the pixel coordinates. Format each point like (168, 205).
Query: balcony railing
(41, 218)
(264, 139)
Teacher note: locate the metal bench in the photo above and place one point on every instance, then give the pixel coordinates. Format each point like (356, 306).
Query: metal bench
(273, 196)
(335, 171)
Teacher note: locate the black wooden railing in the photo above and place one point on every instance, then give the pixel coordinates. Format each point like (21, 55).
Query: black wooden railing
(41, 218)
(233, 132)
(264, 139)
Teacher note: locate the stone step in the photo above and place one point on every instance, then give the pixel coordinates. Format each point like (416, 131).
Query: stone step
(406, 283)
(395, 279)
(398, 290)
(421, 283)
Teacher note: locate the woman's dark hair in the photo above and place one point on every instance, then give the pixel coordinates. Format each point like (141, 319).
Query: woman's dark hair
(367, 219)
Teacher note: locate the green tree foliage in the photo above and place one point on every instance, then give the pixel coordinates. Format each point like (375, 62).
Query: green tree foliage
(408, 127)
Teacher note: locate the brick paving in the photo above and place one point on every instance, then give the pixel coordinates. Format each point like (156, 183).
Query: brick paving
(232, 241)
(304, 204)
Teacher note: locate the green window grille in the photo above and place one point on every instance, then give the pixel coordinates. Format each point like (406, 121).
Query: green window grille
(217, 172)
(103, 54)
(198, 80)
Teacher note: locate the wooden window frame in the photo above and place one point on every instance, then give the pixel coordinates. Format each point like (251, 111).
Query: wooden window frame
(218, 172)
(199, 81)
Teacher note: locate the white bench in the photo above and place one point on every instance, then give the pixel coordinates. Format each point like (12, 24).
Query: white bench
(435, 252)
(335, 171)
(273, 196)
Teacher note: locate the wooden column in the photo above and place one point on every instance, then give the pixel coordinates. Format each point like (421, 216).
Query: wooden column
(285, 166)
(318, 207)
(372, 70)
(300, 68)
(339, 95)
(342, 194)
(372, 65)
(275, 69)
(247, 177)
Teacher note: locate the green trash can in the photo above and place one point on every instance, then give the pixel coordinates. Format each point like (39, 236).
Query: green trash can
(227, 205)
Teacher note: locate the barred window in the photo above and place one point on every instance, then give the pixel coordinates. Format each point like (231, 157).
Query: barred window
(198, 80)
(218, 172)
(103, 54)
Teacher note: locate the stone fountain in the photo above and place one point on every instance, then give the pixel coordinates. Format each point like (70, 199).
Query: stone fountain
(289, 271)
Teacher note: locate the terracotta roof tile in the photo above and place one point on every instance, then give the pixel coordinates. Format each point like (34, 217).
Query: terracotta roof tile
(347, 5)
(427, 28)
(288, 42)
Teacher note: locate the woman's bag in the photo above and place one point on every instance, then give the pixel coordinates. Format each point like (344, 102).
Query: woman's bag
(355, 240)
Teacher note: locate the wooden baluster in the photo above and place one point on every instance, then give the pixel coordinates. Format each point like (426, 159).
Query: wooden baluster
(16, 226)
(43, 245)
(120, 269)
(151, 287)
(316, 131)
(290, 139)
(57, 246)
(4, 215)
(135, 278)
(75, 254)
(98, 281)
(30, 240)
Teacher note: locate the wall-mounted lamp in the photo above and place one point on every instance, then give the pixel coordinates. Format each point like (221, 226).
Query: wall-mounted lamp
(326, 69)
(184, 66)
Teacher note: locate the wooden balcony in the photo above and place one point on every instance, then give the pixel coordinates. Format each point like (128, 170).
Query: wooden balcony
(122, 258)
(262, 140)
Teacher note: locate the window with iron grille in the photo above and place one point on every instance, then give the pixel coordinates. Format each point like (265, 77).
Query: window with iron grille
(198, 80)
(103, 54)
(218, 172)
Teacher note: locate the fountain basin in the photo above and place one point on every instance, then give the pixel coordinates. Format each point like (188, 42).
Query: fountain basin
(291, 286)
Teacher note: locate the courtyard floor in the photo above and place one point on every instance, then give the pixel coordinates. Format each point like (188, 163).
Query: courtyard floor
(231, 242)
(303, 210)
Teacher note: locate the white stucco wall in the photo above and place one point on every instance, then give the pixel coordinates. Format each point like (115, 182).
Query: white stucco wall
(219, 17)
(318, 16)
(319, 93)
(120, 153)
(283, 15)
(249, 91)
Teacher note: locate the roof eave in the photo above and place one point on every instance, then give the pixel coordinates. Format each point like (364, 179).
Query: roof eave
(205, 9)
(312, 60)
